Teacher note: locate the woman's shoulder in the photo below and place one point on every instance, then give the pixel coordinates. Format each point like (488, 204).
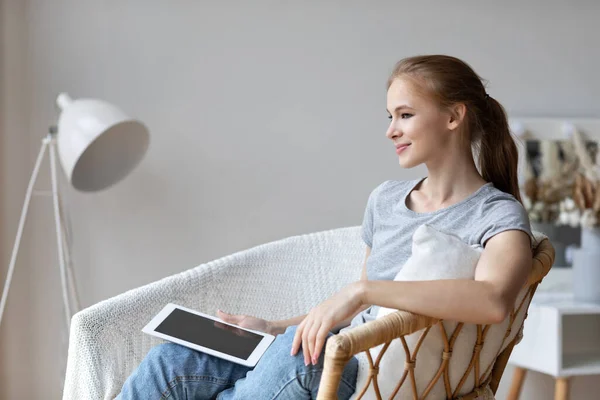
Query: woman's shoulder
(500, 211)
(494, 197)
(493, 205)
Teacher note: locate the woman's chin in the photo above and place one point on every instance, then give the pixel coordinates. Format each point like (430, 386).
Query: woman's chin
(407, 162)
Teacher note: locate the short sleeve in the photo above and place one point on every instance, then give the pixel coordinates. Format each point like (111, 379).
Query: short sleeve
(368, 224)
(502, 214)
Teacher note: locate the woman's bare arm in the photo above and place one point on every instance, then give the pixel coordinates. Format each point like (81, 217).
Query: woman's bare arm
(500, 274)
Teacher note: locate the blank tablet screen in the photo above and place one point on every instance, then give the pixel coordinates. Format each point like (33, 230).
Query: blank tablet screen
(208, 333)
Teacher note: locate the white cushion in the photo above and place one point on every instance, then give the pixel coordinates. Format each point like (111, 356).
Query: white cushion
(436, 255)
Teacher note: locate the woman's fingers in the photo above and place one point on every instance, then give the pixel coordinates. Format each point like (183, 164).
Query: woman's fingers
(229, 317)
(305, 348)
(312, 338)
(319, 343)
(311, 335)
(297, 339)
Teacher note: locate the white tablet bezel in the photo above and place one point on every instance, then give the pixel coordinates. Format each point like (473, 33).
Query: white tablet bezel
(166, 311)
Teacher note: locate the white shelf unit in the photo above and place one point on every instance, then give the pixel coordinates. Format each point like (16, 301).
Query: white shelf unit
(561, 337)
(581, 364)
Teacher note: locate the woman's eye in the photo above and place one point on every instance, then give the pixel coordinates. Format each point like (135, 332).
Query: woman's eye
(389, 117)
(405, 116)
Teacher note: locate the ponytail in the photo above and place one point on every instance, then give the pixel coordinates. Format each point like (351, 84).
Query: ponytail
(498, 154)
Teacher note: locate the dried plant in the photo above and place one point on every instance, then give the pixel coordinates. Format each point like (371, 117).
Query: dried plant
(570, 161)
(586, 165)
(586, 188)
(596, 202)
(589, 219)
(567, 190)
(554, 184)
(582, 192)
(550, 160)
(569, 214)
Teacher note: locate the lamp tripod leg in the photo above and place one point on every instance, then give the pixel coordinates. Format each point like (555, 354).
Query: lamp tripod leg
(70, 275)
(25, 209)
(59, 235)
(66, 228)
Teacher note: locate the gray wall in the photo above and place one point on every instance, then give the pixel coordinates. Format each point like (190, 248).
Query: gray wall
(267, 120)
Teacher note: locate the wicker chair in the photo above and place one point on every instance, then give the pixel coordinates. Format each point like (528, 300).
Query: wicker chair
(342, 347)
(276, 280)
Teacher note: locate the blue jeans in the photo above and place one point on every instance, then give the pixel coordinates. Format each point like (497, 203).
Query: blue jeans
(171, 371)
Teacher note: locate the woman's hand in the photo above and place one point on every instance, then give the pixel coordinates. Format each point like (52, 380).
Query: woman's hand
(246, 321)
(313, 330)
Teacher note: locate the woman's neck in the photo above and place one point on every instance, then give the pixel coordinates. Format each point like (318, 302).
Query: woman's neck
(450, 181)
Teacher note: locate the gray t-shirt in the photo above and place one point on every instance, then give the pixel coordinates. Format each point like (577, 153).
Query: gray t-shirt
(388, 226)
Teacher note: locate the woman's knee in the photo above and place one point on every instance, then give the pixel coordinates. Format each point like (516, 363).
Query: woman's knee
(167, 350)
(171, 357)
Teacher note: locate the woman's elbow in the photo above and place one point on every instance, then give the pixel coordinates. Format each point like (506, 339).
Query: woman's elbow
(499, 309)
(498, 314)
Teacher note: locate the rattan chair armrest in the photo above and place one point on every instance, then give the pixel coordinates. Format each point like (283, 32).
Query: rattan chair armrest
(342, 347)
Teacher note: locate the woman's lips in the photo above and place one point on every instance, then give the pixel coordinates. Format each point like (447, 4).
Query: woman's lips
(401, 148)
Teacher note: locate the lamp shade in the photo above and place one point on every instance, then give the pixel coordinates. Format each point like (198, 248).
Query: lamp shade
(98, 144)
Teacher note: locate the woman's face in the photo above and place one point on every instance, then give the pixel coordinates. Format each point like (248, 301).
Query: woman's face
(418, 127)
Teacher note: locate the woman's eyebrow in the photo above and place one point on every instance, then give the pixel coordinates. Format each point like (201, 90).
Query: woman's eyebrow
(400, 107)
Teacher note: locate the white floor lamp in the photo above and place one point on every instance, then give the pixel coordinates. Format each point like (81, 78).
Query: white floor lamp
(98, 145)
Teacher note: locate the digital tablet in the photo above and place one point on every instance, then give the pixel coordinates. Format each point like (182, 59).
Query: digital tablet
(209, 335)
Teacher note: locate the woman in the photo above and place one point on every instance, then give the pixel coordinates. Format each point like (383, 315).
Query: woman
(439, 112)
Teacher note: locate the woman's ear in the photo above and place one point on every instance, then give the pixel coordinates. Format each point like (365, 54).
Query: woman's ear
(457, 115)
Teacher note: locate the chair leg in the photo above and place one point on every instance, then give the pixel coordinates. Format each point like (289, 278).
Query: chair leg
(561, 389)
(517, 383)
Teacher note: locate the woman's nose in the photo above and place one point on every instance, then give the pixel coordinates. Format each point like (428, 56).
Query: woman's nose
(392, 132)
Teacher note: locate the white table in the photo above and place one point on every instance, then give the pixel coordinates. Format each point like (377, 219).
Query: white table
(561, 338)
